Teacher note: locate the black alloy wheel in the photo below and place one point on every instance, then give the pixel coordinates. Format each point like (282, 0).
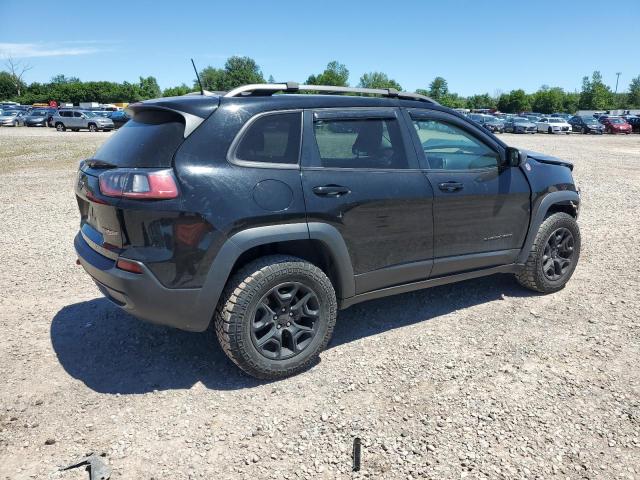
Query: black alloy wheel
(558, 254)
(285, 321)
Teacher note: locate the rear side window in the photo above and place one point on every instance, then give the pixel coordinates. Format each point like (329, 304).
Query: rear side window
(149, 139)
(362, 143)
(272, 138)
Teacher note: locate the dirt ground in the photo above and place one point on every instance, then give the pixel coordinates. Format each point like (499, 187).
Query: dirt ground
(482, 379)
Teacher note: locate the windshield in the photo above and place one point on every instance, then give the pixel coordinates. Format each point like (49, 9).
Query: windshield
(556, 120)
(521, 120)
(90, 114)
(589, 120)
(9, 113)
(616, 120)
(38, 113)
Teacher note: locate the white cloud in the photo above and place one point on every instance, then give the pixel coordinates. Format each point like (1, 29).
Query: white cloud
(63, 49)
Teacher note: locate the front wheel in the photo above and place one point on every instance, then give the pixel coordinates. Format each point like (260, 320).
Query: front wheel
(553, 256)
(60, 127)
(92, 128)
(275, 316)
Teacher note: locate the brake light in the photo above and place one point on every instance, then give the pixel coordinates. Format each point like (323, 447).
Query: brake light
(128, 266)
(139, 184)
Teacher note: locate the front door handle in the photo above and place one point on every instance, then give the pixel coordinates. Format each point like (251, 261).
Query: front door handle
(331, 190)
(450, 186)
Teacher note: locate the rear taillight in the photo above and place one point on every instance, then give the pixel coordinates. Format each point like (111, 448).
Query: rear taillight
(139, 183)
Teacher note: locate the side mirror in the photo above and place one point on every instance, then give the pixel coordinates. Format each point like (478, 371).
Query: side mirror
(514, 157)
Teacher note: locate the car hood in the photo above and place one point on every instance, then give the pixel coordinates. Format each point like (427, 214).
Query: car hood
(543, 158)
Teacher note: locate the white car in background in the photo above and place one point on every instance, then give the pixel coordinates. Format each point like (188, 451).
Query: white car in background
(553, 125)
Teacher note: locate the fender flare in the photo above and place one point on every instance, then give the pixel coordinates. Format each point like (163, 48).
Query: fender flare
(244, 240)
(537, 217)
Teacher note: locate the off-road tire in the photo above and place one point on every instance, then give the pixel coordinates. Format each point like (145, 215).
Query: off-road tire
(238, 304)
(532, 275)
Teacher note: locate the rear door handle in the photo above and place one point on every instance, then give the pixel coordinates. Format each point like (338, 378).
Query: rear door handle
(331, 190)
(450, 186)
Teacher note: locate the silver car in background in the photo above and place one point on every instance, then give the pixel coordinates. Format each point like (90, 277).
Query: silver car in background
(81, 119)
(553, 125)
(9, 118)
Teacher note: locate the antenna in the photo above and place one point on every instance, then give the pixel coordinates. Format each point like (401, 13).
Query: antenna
(198, 77)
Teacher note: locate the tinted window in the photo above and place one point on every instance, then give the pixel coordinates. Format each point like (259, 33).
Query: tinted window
(448, 147)
(150, 139)
(365, 143)
(273, 138)
(77, 114)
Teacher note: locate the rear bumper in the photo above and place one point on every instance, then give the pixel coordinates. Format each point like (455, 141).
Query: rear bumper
(142, 295)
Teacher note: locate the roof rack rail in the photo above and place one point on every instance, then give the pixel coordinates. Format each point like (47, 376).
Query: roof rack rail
(293, 87)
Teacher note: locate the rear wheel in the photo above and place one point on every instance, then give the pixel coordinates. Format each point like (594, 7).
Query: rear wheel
(93, 127)
(553, 256)
(60, 127)
(550, 130)
(275, 316)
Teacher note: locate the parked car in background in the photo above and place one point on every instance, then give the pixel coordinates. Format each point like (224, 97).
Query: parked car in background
(9, 118)
(586, 124)
(635, 124)
(119, 118)
(616, 125)
(489, 122)
(37, 118)
(520, 125)
(81, 119)
(553, 125)
(565, 116)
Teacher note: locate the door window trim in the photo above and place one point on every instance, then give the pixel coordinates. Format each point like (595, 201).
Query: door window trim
(310, 151)
(231, 153)
(466, 126)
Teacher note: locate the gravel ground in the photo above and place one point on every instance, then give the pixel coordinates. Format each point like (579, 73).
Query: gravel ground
(479, 379)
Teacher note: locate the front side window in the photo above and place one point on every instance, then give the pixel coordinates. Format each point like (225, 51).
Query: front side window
(448, 147)
(374, 143)
(272, 138)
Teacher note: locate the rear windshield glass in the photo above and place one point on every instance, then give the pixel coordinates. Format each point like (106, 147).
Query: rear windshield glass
(150, 139)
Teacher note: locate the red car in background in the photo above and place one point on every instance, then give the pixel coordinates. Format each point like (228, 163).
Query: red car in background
(616, 125)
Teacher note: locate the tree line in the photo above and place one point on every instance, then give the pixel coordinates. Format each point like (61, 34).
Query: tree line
(594, 94)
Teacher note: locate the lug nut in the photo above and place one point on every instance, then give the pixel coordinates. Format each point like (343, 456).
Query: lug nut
(288, 324)
(291, 314)
(278, 327)
(275, 317)
(284, 309)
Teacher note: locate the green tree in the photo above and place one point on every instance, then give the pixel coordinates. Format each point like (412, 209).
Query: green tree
(548, 100)
(7, 87)
(595, 95)
(438, 89)
(378, 80)
(335, 74)
(176, 91)
(60, 78)
(213, 79)
(241, 71)
(481, 101)
(570, 102)
(149, 88)
(237, 71)
(633, 98)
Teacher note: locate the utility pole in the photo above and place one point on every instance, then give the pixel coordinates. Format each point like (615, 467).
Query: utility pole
(617, 78)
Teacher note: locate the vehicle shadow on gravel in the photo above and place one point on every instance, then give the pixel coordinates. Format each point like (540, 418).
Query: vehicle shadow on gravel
(112, 352)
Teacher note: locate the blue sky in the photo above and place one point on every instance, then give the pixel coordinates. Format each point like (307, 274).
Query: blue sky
(478, 46)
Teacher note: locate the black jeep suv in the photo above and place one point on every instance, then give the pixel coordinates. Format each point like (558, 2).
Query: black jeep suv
(267, 211)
